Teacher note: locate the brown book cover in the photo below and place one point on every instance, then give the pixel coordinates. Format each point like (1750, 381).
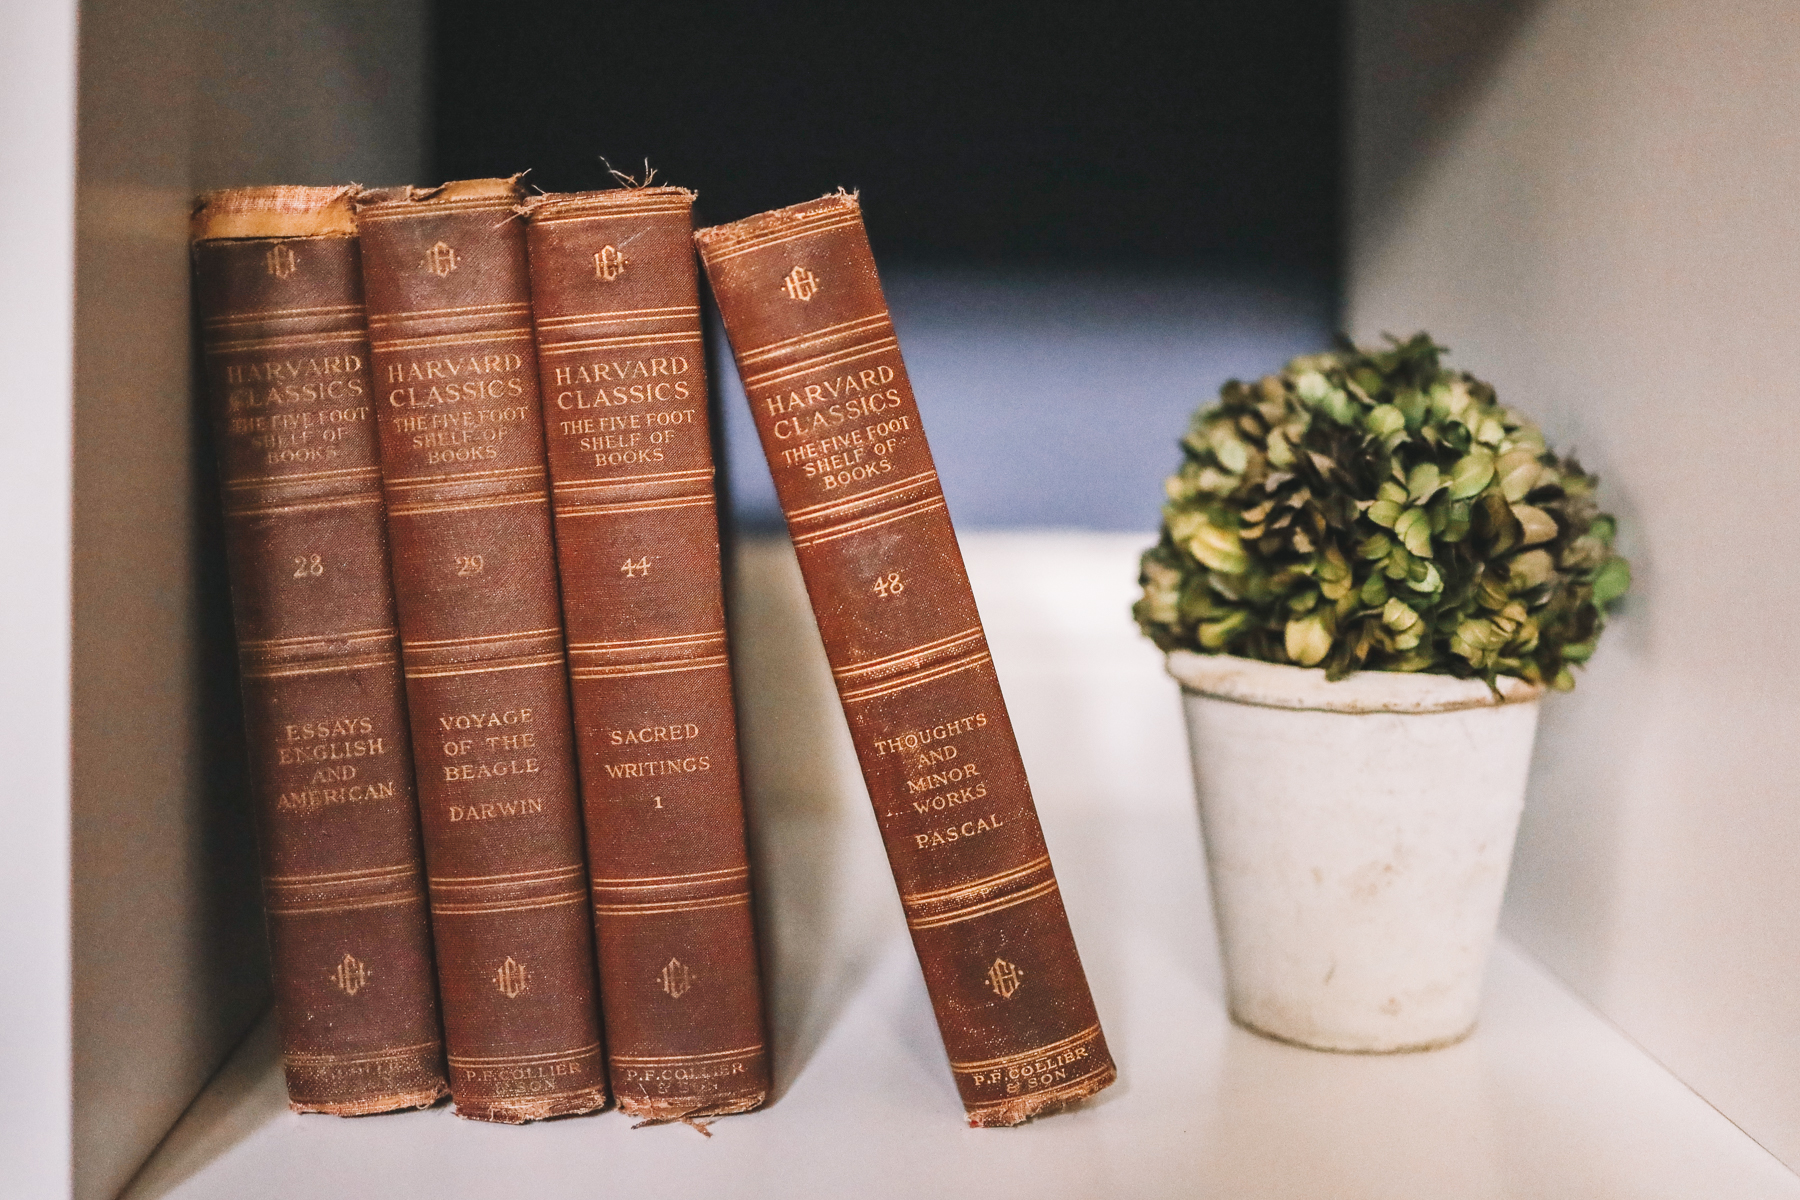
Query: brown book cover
(462, 460)
(617, 309)
(809, 326)
(285, 359)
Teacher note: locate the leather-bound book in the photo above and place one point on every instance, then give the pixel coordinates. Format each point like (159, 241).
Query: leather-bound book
(286, 367)
(821, 367)
(624, 373)
(462, 459)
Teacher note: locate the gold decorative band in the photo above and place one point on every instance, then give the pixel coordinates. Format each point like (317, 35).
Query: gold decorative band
(650, 909)
(545, 875)
(520, 1060)
(320, 639)
(787, 233)
(824, 333)
(620, 316)
(863, 524)
(823, 362)
(615, 481)
(711, 662)
(452, 477)
(831, 508)
(284, 341)
(463, 312)
(466, 338)
(519, 636)
(423, 509)
(672, 642)
(651, 1060)
(566, 507)
(656, 881)
(874, 691)
(673, 337)
(225, 320)
(367, 875)
(983, 910)
(911, 658)
(536, 660)
(346, 906)
(480, 907)
(1012, 1060)
(330, 667)
(979, 885)
(304, 1059)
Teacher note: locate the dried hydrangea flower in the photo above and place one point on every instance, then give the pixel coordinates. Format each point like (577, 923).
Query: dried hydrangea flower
(1375, 510)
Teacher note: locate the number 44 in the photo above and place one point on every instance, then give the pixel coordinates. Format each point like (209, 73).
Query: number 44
(631, 568)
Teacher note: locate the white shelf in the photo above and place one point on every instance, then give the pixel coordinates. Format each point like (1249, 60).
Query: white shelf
(1546, 1098)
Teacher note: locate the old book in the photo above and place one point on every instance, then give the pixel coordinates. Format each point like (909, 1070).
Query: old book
(278, 290)
(462, 459)
(821, 367)
(625, 414)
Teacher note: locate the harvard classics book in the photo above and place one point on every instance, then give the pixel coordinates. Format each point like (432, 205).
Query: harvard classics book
(821, 366)
(278, 288)
(620, 353)
(468, 501)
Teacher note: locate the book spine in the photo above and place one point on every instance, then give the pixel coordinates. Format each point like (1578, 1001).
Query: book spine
(462, 457)
(821, 367)
(620, 352)
(285, 363)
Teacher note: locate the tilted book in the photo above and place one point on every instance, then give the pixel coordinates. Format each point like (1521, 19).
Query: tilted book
(617, 310)
(462, 459)
(278, 290)
(820, 364)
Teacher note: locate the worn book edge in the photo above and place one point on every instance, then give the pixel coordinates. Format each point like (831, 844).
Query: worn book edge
(282, 211)
(723, 237)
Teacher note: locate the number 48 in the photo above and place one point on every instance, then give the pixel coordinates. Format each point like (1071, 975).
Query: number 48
(889, 585)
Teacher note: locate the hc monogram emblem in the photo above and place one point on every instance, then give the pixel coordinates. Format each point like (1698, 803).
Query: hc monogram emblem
(280, 260)
(510, 978)
(609, 264)
(676, 979)
(440, 260)
(1004, 978)
(800, 284)
(351, 976)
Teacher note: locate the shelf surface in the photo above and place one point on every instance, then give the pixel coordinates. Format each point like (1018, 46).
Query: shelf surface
(1545, 1099)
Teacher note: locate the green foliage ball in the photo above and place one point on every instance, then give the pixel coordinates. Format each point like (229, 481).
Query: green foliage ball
(1375, 510)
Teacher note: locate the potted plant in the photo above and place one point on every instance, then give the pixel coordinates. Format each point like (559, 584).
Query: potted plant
(1369, 573)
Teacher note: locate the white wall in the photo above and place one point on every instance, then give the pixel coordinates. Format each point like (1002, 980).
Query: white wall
(37, 207)
(176, 97)
(1596, 204)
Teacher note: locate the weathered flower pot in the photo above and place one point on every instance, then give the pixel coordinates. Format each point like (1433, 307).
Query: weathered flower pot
(1358, 835)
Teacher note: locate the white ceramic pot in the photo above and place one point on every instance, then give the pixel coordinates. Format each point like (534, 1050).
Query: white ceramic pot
(1358, 835)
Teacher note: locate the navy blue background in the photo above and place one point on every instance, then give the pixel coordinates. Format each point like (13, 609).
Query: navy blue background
(1086, 216)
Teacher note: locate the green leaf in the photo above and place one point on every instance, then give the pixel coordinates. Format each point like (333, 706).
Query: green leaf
(1384, 513)
(1414, 530)
(1531, 569)
(1215, 634)
(1518, 471)
(1220, 549)
(1278, 450)
(1385, 419)
(1308, 641)
(1472, 472)
(1376, 545)
(1374, 590)
(1422, 482)
(1539, 526)
(1611, 581)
